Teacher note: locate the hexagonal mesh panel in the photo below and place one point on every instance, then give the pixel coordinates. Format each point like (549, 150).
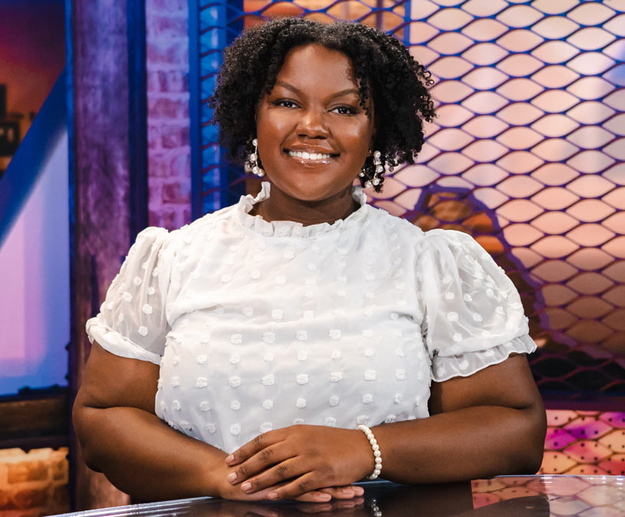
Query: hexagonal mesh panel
(526, 154)
(584, 443)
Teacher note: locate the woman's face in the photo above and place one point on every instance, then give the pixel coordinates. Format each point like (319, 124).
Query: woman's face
(313, 135)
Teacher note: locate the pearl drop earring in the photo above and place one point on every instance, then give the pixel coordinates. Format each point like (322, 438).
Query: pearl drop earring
(253, 161)
(379, 169)
(377, 172)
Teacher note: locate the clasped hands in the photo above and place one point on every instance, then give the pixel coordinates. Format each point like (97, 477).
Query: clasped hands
(301, 462)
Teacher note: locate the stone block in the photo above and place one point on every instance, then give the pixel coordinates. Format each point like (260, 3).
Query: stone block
(157, 166)
(27, 498)
(166, 52)
(154, 84)
(156, 194)
(154, 217)
(176, 80)
(184, 135)
(60, 469)
(181, 165)
(172, 136)
(163, 108)
(167, 27)
(169, 219)
(11, 453)
(27, 471)
(154, 137)
(169, 6)
(5, 500)
(175, 192)
(59, 499)
(162, 81)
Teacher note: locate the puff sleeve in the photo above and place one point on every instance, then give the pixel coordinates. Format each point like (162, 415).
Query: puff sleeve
(473, 316)
(132, 321)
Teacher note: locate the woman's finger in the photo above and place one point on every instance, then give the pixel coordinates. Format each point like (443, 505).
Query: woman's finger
(284, 471)
(315, 496)
(262, 462)
(254, 446)
(344, 492)
(303, 484)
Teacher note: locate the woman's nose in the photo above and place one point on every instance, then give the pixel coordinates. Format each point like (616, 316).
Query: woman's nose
(312, 124)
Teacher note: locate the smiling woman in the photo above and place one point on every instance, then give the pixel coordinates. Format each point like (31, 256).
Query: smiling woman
(302, 340)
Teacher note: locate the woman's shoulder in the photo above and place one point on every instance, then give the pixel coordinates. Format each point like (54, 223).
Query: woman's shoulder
(434, 239)
(439, 239)
(202, 225)
(393, 224)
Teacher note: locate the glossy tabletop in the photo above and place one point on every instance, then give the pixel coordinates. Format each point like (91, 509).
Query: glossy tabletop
(583, 496)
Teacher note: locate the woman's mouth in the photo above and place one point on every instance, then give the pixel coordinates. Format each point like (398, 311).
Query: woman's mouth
(310, 157)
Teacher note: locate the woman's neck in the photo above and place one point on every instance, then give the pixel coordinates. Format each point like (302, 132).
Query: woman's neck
(282, 207)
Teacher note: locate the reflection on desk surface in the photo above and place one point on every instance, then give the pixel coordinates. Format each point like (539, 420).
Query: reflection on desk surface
(582, 496)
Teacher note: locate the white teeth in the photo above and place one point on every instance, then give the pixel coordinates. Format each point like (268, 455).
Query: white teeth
(309, 156)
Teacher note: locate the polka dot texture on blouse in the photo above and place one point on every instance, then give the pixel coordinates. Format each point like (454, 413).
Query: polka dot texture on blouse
(259, 325)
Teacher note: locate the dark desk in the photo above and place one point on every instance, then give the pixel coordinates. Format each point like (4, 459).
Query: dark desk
(583, 496)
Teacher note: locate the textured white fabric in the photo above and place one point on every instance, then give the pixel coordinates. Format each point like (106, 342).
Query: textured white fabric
(259, 325)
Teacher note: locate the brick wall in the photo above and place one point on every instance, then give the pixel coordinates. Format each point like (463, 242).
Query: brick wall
(168, 113)
(33, 484)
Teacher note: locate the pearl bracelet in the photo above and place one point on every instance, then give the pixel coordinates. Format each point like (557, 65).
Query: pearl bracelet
(377, 455)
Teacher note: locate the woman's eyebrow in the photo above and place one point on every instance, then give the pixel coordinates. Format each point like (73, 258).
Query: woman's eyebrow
(348, 91)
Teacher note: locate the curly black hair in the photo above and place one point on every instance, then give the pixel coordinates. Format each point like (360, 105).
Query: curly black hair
(384, 68)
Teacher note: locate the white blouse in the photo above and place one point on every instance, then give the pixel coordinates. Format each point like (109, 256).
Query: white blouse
(259, 325)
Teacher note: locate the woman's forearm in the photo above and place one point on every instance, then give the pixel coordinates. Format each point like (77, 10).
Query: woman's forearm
(469, 443)
(144, 457)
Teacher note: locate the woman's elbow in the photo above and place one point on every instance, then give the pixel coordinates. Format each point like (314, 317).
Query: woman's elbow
(531, 441)
(82, 428)
(530, 461)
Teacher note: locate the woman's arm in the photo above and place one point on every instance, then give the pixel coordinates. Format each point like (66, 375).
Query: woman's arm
(492, 422)
(121, 436)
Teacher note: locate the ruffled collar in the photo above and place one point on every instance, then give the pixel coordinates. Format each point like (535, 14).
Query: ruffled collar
(291, 228)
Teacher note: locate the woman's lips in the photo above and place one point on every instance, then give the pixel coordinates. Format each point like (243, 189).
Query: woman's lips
(310, 157)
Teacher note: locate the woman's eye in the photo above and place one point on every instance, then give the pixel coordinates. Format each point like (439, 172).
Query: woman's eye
(286, 103)
(345, 110)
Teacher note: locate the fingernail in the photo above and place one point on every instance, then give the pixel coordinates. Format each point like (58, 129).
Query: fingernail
(324, 497)
(246, 486)
(232, 477)
(272, 495)
(230, 459)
